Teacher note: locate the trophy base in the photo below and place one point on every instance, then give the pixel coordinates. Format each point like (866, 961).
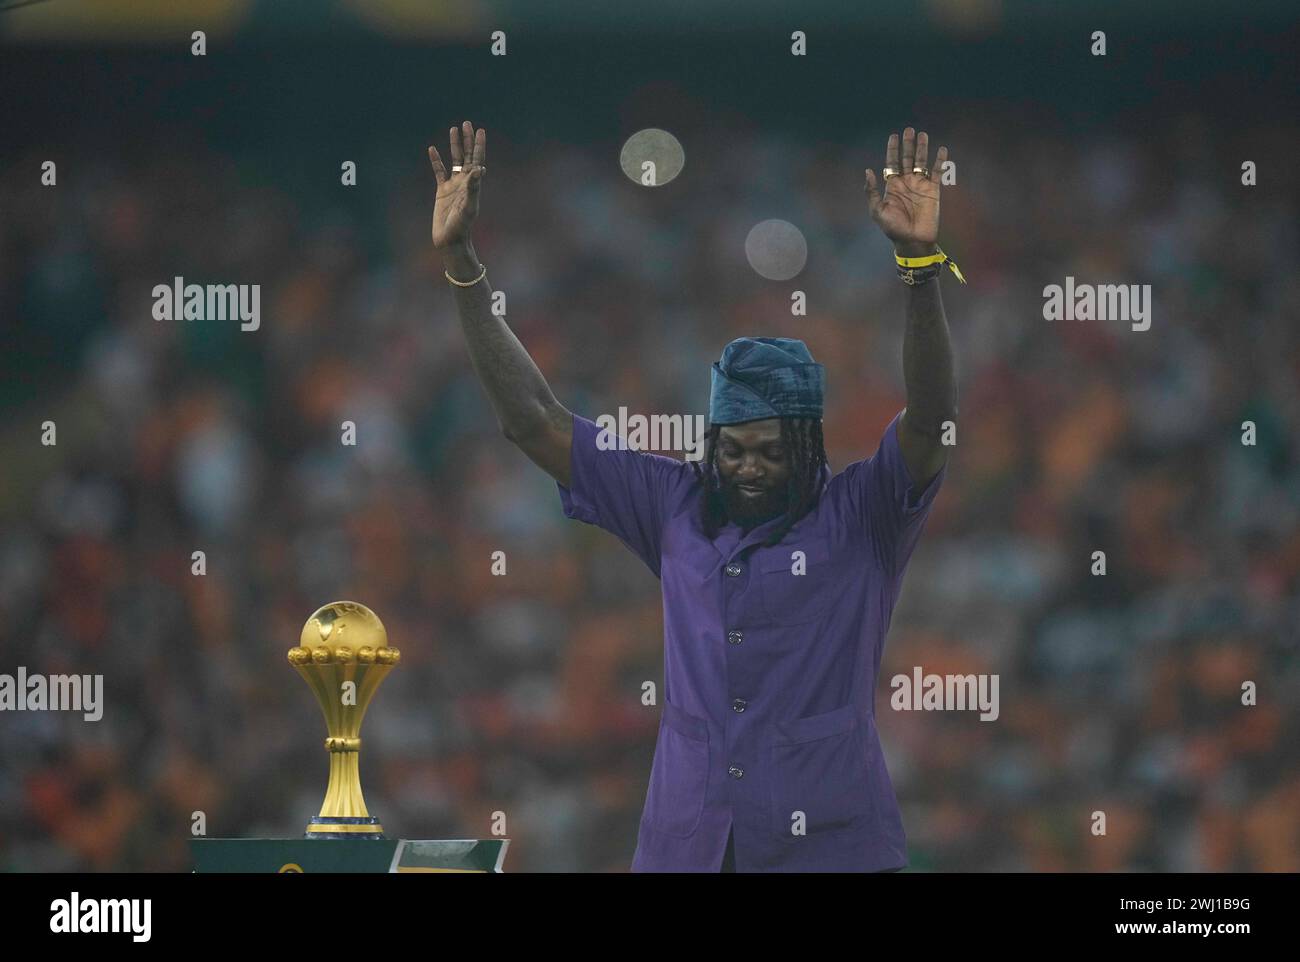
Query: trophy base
(352, 854)
(337, 826)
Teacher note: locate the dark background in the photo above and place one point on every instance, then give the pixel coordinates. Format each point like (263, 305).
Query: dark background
(521, 694)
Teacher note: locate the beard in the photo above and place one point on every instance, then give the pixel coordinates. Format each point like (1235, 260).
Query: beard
(749, 512)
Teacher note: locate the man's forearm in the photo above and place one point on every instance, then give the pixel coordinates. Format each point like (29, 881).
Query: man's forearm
(927, 362)
(518, 391)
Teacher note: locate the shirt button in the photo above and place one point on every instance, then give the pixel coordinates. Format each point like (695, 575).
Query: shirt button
(735, 772)
(739, 705)
(735, 637)
(733, 570)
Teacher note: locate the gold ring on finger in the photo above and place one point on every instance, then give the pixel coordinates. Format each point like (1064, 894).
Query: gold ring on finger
(889, 172)
(923, 171)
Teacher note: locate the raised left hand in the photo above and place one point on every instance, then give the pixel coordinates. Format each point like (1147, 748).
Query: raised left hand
(909, 211)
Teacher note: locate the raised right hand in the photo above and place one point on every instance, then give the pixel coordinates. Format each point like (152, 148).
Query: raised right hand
(456, 205)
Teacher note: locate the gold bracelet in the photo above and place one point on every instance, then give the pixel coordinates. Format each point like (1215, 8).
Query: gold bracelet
(468, 283)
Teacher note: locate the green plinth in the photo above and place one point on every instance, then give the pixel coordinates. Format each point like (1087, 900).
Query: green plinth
(347, 855)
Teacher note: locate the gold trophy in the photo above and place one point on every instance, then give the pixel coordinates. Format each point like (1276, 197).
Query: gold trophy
(343, 655)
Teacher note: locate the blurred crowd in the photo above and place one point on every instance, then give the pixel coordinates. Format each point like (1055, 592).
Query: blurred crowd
(1120, 693)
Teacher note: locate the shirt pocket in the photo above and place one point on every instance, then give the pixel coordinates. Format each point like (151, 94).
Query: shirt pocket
(690, 560)
(795, 599)
(679, 776)
(819, 772)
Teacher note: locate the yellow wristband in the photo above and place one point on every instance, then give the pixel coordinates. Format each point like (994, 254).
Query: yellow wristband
(939, 258)
(925, 261)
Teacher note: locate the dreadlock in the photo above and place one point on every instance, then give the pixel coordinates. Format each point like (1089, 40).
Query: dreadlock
(803, 441)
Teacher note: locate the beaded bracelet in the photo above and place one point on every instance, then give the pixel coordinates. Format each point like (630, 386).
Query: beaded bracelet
(468, 283)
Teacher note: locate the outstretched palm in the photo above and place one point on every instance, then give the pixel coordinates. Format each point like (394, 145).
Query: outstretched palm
(456, 204)
(909, 211)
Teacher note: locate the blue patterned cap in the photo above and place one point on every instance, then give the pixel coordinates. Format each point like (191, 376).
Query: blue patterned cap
(765, 377)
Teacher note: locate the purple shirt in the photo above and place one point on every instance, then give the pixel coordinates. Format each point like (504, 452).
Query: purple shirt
(768, 721)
